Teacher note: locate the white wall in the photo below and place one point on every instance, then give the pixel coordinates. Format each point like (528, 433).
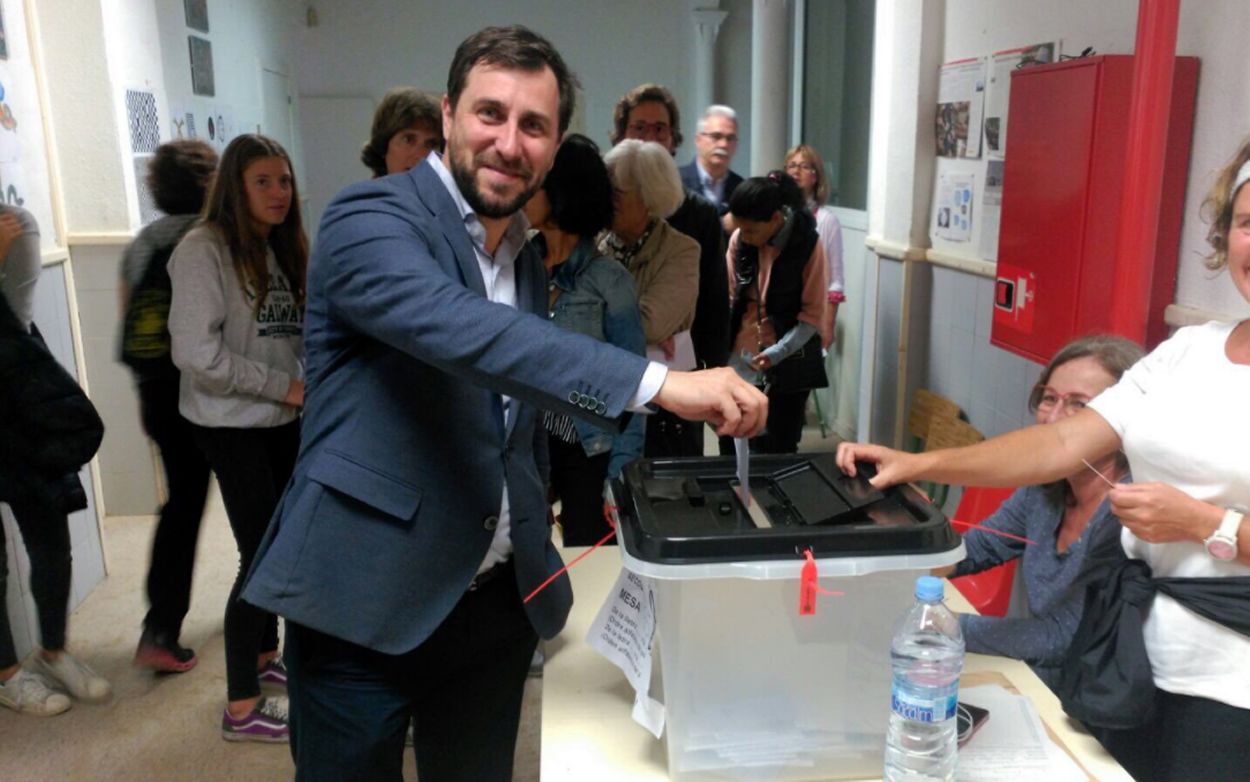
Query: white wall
(361, 49)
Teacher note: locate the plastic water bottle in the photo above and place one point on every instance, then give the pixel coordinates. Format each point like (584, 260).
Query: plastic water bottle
(928, 655)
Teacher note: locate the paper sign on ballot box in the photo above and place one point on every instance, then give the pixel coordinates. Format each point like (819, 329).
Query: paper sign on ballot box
(623, 632)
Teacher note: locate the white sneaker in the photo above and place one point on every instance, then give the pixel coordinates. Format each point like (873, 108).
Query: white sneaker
(25, 692)
(81, 682)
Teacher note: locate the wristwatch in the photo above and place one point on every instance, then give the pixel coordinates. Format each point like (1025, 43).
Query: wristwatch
(1222, 544)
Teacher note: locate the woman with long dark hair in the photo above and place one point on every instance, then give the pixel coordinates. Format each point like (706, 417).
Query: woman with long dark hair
(237, 335)
(592, 294)
(778, 283)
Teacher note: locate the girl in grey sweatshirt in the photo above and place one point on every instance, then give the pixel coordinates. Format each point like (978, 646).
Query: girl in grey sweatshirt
(236, 325)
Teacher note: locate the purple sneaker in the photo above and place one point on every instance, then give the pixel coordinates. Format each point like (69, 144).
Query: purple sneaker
(273, 672)
(266, 722)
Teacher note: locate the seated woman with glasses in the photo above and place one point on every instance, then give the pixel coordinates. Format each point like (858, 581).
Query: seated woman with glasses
(1075, 537)
(805, 166)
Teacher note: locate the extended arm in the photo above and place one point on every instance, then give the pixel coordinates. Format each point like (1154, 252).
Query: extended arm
(1025, 457)
(388, 280)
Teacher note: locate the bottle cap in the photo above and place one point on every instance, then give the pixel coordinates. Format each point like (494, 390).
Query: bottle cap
(929, 588)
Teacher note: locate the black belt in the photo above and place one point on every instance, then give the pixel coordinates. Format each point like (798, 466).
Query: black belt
(489, 575)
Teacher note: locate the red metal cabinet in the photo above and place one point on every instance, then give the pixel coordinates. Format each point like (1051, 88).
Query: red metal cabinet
(1062, 183)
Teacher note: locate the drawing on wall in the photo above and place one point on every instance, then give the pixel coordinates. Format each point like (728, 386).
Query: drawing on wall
(197, 14)
(145, 126)
(4, 40)
(9, 194)
(201, 66)
(7, 120)
(182, 121)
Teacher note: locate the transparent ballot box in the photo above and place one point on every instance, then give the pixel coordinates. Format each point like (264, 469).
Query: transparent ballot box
(753, 689)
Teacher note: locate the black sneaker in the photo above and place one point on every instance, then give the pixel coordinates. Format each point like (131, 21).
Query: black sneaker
(163, 654)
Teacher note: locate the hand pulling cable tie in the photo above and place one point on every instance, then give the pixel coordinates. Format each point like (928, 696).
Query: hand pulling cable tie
(992, 531)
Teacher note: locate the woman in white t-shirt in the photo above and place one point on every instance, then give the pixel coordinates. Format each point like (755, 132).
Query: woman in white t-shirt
(1179, 415)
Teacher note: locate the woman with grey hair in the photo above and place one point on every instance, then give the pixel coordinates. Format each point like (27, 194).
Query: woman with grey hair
(665, 266)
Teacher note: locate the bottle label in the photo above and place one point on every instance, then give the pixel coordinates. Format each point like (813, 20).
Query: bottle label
(918, 708)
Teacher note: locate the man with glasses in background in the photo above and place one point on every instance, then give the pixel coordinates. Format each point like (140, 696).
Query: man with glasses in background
(716, 144)
(649, 112)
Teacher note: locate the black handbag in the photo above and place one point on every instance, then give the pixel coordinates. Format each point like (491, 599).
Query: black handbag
(802, 370)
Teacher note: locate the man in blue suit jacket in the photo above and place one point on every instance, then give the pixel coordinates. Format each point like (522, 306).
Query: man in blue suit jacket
(715, 145)
(416, 518)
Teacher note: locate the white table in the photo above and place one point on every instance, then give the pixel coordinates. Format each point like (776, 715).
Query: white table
(588, 734)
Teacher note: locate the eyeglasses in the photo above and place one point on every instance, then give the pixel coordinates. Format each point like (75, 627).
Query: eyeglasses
(728, 138)
(1050, 400)
(794, 165)
(640, 128)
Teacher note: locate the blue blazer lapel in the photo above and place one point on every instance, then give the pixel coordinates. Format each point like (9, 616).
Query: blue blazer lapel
(435, 195)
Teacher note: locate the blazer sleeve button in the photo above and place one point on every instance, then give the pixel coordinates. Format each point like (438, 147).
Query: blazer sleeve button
(573, 397)
(490, 523)
(601, 408)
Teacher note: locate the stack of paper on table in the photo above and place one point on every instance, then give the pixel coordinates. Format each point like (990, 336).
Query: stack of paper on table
(1012, 744)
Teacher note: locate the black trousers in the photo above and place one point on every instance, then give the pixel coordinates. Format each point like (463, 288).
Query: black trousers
(252, 468)
(46, 534)
(578, 482)
(178, 528)
(1189, 739)
(350, 706)
(786, 413)
(785, 423)
(669, 435)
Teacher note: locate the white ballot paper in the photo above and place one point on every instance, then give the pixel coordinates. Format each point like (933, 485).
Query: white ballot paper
(1012, 744)
(623, 632)
(742, 449)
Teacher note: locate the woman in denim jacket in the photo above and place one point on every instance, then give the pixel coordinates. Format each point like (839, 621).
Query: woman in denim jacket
(593, 295)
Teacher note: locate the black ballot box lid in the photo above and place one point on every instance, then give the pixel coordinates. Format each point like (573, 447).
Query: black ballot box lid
(685, 511)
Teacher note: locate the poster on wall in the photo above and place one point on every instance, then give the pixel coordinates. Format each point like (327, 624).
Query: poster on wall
(953, 217)
(997, 101)
(181, 121)
(991, 209)
(201, 66)
(219, 119)
(196, 12)
(961, 101)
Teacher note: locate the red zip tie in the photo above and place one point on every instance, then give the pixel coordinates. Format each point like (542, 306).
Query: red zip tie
(809, 587)
(607, 515)
(993, 531)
